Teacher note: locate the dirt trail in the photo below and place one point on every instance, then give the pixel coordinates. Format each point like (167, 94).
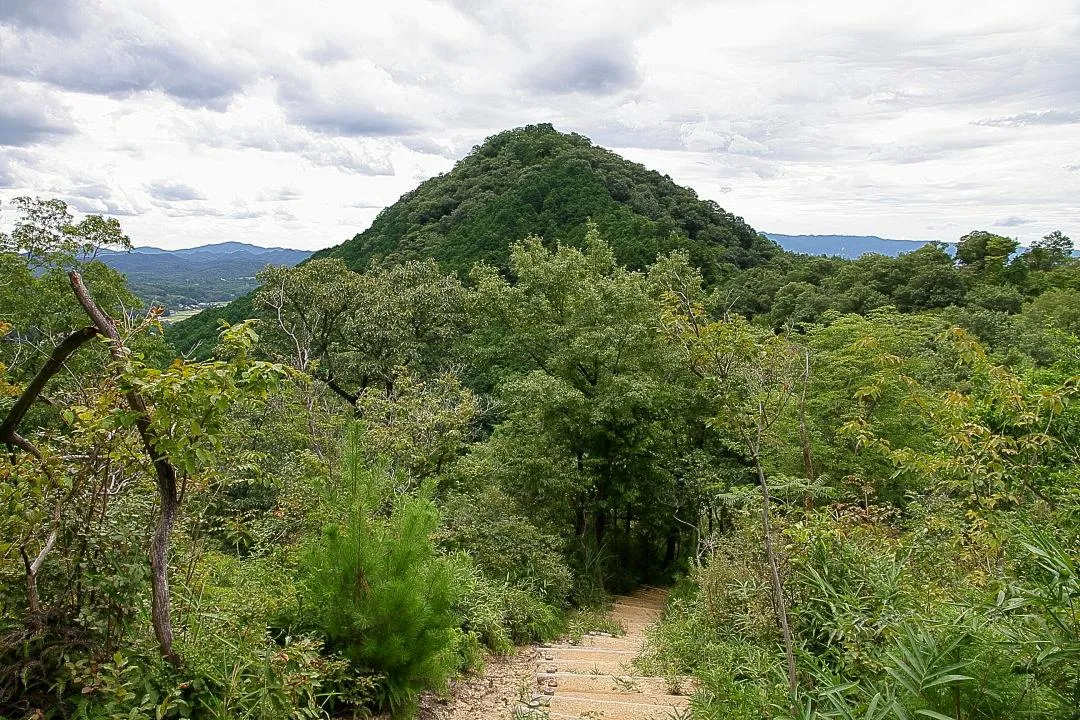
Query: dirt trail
(590, 680)
(492, 695)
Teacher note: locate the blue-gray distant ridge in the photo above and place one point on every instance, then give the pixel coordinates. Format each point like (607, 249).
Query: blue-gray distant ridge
(847, 246)
(198, 276)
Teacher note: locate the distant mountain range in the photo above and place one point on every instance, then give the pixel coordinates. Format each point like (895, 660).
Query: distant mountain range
(197, 276)
(211, 274)
(847, 246)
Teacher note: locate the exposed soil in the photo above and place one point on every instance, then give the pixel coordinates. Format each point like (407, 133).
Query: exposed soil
(491, 695)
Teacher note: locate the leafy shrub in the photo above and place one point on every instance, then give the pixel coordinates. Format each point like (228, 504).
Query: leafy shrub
(734, 590)
(849, 586)
(254, 681)
(89, 610)
(500, 615)
(505, 545)
(374, 587)
(737, 676)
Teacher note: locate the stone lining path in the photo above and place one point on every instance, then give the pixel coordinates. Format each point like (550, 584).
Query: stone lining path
(595, 679)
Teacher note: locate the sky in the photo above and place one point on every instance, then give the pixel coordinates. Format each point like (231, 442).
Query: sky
(291, 123)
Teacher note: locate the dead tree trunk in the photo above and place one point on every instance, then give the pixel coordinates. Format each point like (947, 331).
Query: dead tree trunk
(164, 471)
(32, 567)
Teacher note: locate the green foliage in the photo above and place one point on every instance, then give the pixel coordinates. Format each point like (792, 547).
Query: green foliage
(48, 237)
(356, 331)
(505, 544)
(736, 676)
(498, 614)
(376, 590)
(533, 181)
(886, 630)
(253, 682)
(1059, 308)
(588, 619)
(418, 427)
(868, 466)
(197, 334)
(984, 251)
(587, 393)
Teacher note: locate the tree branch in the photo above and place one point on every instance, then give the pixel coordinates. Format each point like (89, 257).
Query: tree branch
(33, 566)
(341, 392)
(23, 444)
(60, 354)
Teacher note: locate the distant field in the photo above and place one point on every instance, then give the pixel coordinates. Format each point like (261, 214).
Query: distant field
(178, 315)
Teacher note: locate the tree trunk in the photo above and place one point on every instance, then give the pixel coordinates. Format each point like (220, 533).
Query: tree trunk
(774, 575)
(808, 457)
(164, 471)
(33, 600)
(671, 545)
(160, 605)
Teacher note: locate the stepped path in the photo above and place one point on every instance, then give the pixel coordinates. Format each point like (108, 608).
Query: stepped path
(590, 680)
(595, 679)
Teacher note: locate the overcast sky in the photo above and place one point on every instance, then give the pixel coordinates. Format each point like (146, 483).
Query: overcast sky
(293, 123)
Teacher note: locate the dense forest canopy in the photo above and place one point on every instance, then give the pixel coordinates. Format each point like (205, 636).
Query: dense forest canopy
(860, 477)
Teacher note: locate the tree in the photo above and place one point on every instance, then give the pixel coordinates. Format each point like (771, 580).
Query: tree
(176, 412)
(592, 403)
(1053, 250)
(855, 361)
(752, 379)
(355, 331)
(798, 303)
(930, 280)
(995, 444)
(1059, 308)
(982, 251)
(47, 236)
(421, 426)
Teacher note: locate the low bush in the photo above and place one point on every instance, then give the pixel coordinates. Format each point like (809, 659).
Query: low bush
(505, 545)
(376, 589)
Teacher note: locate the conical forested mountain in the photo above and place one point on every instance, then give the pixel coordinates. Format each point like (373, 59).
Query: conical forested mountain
(538, 181)
(535, 180)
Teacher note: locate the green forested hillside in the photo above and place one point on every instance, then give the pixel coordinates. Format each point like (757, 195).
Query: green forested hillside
(193, 276)
(536, 181)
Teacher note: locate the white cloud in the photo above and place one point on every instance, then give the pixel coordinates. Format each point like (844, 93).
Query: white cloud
(263, 121)
(30, 115)
(1012, 221)
(168, 191)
